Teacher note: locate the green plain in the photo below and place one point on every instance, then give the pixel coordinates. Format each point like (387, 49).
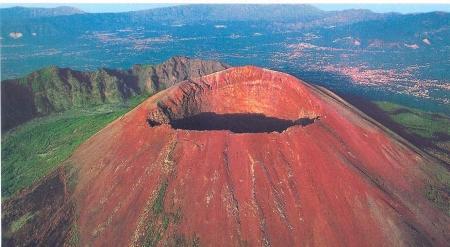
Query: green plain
(34, 149)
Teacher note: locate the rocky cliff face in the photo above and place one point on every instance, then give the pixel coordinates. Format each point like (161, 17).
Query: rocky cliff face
(176, 69)
(245, 156)
(57, 89)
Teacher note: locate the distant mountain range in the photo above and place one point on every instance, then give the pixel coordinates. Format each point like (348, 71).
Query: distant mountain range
(56, 89)
(423, 30)
(24, 13)
(305, 16)
(192, 13)
(229, 12)
(363, 27)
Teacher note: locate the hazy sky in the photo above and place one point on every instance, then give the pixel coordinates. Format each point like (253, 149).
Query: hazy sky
(402, 8)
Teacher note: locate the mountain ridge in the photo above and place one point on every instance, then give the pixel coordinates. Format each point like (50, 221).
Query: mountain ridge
(197, 13)
(54, 89)
(19, 12)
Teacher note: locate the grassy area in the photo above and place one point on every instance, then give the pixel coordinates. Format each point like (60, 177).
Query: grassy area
(16, 225)
(423, 124)
(34, 149)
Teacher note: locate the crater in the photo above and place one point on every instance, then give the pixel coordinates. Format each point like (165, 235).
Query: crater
(236, 123)
(248, 100)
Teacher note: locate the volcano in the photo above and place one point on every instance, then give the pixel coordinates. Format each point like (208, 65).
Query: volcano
(249, 156)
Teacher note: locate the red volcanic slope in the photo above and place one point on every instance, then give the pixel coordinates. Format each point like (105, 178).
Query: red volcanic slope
(341, 180)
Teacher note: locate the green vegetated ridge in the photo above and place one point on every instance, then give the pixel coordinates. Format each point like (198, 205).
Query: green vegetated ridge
(34, 149)
(54, 89)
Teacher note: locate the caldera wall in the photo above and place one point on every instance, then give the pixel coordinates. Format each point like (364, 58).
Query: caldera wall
(263, 92)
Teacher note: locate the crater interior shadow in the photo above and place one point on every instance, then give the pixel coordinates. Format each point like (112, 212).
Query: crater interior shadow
(237, 122)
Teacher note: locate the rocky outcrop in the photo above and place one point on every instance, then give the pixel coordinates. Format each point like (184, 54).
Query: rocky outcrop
(174, 70)
(56, 89)
(333, 176)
